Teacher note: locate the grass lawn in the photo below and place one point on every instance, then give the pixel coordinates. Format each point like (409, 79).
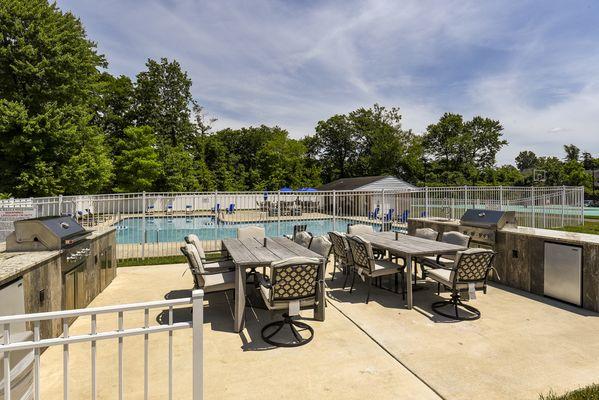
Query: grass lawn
(587, 393)
(133, 262)
(588, 227)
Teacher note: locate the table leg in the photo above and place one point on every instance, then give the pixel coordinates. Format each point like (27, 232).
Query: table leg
(239, 299)
(408, 280)
(319, 312)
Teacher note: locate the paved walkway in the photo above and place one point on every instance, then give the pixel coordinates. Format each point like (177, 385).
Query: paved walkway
(522, 346)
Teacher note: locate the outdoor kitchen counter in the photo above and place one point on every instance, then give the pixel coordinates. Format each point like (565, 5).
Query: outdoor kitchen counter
(17, 263)
(554, 235)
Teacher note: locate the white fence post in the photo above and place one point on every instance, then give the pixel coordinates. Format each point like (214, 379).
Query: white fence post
(198, 343)
(279, 213)
(582, 205)
(426, 204)
(563, 206)
(334, 211)
(532, 196)
(143, 225)
(500, 198)
(60, 204)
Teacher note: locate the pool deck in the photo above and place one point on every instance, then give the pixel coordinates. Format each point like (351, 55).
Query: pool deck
(523, 345)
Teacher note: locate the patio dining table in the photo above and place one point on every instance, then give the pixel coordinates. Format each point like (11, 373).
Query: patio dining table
(409, 247)
(252, 253)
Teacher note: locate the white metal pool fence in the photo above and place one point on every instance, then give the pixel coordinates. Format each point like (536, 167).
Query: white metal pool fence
(541, 207)
(36, 344)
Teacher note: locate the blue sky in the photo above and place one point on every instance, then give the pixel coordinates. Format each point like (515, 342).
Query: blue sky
(533, 65)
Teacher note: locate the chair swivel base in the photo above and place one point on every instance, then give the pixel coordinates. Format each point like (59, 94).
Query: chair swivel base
(456, 303)
(279, 325)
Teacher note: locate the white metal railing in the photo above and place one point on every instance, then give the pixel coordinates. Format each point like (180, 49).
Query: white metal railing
(120, 333)
(153, 224)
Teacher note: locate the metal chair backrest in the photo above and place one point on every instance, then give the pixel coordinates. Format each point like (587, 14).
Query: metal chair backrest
(248, 232)
(457, 238)
(195, 240)
(294, 278)
(340, 248)
(322, 246)
(359, 229)
(426, 233)
(298, 228)
(361, 252)
(473, 265)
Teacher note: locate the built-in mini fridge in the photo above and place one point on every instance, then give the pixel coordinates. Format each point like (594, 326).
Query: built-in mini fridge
(563, 272)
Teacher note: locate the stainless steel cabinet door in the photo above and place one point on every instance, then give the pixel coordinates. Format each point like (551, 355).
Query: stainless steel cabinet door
(563, 272)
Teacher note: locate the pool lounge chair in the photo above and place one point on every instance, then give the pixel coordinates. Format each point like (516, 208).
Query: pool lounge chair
(231, 208)
(374, 214)
(404, 216)
(389, 215)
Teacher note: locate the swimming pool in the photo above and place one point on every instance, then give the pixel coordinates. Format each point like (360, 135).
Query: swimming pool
(174, 229)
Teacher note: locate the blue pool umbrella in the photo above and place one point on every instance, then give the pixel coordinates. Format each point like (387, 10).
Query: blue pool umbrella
(285, 189)
(308, 189)
(265, 195)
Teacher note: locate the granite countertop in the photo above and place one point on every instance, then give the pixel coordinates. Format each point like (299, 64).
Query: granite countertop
(537, 232)
(16, 263)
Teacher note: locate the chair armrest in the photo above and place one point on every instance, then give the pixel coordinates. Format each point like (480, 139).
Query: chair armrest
(216, 272)
(263, 280)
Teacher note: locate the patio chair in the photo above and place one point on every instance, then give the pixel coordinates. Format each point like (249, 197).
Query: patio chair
(188, 209)
(209, 280)
(404, 216)
(321, 245)
(469, 273)
(426, 233)
(389, 215)
(431, 262)
(169, 209)
(291, 286)
(253, 231)
(231, 208)
(374, 214)
(342, 258)
(296, 229)
(224, 263)
(369, 267)
(303, 238)
(360, 229)
(248, 232)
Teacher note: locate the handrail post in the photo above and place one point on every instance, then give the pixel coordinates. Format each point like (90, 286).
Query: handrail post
(143, 225)
(198, 343)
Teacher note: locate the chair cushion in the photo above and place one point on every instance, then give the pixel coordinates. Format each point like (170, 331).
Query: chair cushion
(384, 267)
(445, 277)
(282, 305)
(218, 282)
(431, 261)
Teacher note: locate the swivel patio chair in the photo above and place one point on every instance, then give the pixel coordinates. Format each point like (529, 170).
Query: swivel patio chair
(451, 237)
(367, 267)
(342, 258)
(303, 238)
(296, 229)
(209, 280)
(322, 246)
(360, 229)
(223, 263)
(470, 273)
(426, 233)
(248, 232)
(292, 286)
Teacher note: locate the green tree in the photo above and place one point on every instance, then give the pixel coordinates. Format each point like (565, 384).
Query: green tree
(136, 165)
(526, 160)
(49, 81)
(163, 100)
(572, 152)
(115, 108)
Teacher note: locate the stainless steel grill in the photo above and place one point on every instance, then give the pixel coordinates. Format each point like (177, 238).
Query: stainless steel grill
(52, 233)
(482, 225)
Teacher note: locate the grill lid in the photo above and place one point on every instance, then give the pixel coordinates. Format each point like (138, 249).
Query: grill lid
(491, 219)
(45, 233)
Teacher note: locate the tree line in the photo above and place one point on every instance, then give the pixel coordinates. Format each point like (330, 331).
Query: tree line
(67, 126)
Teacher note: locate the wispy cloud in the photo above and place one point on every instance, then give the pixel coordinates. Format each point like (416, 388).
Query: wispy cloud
(532, 65)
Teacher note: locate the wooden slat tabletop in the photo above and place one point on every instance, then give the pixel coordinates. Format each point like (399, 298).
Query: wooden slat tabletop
(410, 245)
(251, 252)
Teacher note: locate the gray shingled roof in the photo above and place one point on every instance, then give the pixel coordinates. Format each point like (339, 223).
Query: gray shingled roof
(352, 183)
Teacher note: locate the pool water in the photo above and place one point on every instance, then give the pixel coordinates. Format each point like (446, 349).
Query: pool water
(174, 229)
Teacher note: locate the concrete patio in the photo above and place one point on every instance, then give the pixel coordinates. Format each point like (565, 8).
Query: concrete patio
(522, 346)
